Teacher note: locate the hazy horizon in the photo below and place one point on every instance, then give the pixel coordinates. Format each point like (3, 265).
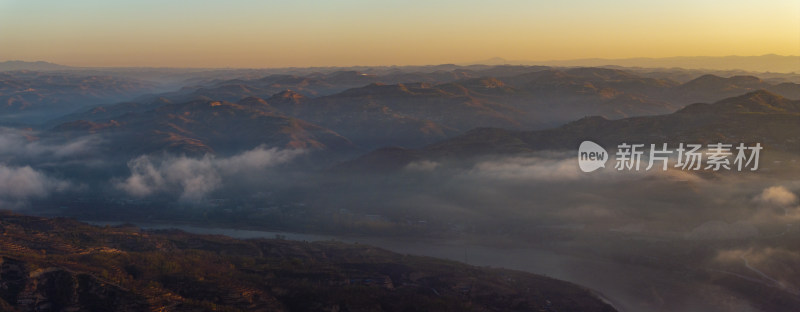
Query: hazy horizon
(497, 60)
(252, 34)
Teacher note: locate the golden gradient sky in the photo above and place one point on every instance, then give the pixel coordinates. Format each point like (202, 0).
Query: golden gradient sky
(250, 33)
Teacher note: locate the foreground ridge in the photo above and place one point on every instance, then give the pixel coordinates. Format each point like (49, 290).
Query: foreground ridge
(65, 265)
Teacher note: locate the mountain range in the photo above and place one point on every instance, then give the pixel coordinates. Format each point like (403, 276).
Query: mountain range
(32, 96)
(416, 114)
(755, 117)
(761, 63)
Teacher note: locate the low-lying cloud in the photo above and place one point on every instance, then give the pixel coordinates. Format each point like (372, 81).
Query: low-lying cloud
(18, 184)
(194, 178)
(27, 144)
(524, 168)
(424, 165)
(778, 196)
(559, 167)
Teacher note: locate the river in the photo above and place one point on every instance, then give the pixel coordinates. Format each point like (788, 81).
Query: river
(627, 288)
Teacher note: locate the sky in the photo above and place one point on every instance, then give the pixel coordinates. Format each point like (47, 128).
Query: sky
(253, 33)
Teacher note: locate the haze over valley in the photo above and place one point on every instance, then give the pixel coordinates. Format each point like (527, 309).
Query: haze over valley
(356, 155)
(466, 158)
